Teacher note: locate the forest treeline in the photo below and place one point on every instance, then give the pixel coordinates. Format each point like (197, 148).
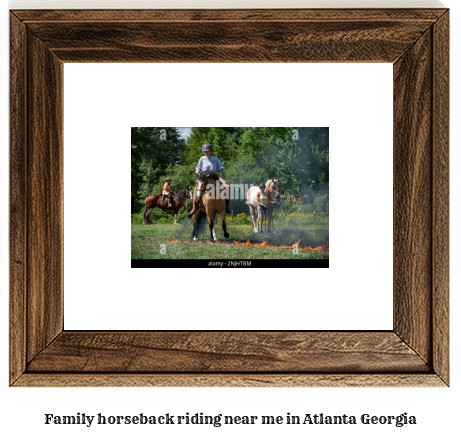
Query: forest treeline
(297, 156)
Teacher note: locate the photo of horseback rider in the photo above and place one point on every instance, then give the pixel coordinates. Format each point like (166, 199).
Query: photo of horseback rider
(167, 194)
(274, 175)
(263, 210)
(210, 162)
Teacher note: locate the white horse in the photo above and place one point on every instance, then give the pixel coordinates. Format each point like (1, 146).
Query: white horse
(272, 190)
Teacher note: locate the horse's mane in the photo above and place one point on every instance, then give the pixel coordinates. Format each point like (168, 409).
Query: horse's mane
(182, 193)
(208, 173)
(270, 184)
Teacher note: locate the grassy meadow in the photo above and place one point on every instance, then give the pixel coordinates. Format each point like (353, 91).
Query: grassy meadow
(153, 241)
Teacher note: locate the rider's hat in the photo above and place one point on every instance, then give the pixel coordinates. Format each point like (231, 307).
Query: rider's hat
(207, 147)
(262, 186)
(167, 179)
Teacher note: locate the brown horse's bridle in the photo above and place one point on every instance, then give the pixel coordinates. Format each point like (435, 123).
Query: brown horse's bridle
(202, 190)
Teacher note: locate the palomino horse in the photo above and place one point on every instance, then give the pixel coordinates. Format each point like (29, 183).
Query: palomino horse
(272, 189)
(212, 202)
(155, 200)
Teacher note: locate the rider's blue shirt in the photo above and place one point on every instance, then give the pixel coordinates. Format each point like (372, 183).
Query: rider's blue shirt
(212, 163)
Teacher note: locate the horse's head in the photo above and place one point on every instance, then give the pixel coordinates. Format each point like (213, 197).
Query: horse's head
(201, 185)
(203, 180)
(273, 188)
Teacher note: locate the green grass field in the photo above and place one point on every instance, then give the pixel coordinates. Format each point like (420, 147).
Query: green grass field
(151, 242)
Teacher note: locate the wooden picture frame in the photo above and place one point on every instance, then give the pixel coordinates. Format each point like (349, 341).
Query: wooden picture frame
(414, 353)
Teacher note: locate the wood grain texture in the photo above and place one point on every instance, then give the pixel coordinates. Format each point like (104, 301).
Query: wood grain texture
(211, 352)
(440, 209)
(414, 354)
(413, 196)
(44, 201)
(205, 15)
(312, 41)
(18, 192)
(230, 380)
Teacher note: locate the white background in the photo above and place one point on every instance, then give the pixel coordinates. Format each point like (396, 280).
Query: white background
(436, 410)
(102, 102)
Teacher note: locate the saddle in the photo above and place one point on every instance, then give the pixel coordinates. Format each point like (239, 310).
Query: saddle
(170, 203)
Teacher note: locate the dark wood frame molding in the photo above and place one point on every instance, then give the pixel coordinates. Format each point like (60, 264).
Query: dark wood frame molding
(414, 353)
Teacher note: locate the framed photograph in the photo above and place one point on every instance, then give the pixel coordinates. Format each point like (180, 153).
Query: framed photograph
(266, 187)
(414, 353)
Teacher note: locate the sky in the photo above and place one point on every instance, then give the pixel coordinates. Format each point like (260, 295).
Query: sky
(185, 131)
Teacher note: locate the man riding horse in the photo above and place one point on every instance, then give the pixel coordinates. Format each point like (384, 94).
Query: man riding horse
(209, 162)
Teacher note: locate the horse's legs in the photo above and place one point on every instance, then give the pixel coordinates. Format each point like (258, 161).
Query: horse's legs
(224, 226)
(194, 203)
(212, 232)
(148, 216)
(215, 220)
(210, 217)
(198, 216)
(251, 216)
(270, 221)
(195, 229)
(253, 219)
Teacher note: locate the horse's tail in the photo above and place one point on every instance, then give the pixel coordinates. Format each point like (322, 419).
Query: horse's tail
(145, 211)
(201, 221)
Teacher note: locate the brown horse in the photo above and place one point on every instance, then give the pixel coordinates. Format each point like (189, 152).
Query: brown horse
(212, 202)
(156, 200)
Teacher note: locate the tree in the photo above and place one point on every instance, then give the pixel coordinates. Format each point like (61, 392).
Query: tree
(297, 156)
(153, 150)
(225, 142)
